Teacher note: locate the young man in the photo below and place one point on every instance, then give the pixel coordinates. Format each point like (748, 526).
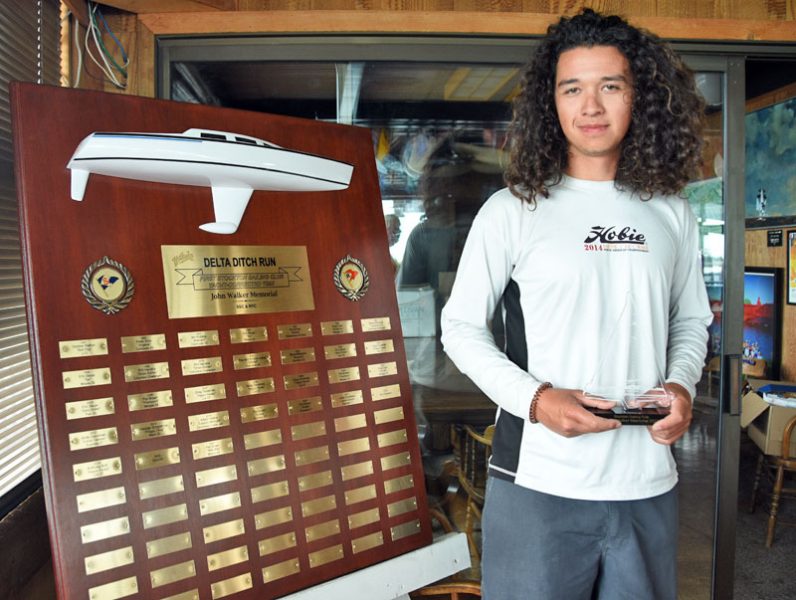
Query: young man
(596, 259)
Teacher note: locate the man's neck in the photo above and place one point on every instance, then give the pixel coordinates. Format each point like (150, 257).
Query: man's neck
(592, 168)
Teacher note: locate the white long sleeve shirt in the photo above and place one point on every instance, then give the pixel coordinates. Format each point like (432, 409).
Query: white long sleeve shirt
(600, 291)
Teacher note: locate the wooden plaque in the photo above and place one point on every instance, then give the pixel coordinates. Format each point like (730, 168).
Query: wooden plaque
(245, 428)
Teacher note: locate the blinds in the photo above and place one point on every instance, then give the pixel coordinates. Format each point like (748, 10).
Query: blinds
(29, 51)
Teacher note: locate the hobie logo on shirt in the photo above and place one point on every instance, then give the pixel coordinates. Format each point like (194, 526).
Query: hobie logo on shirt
(614, 239)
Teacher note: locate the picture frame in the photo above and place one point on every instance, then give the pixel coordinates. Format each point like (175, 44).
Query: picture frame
(790, 295)
(762, 318)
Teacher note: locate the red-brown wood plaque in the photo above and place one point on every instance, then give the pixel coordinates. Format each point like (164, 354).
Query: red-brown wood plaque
(220, 415)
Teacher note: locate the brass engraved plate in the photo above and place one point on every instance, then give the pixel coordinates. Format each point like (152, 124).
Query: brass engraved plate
(262, 412)
(205, 393)
(308, 430)
(81, 409)
(226, 558)
(376, 324)
(385, 392)
(261, 466)
(143, 343)
(215, 476)
(296, 355)
(316, 480)
(89, 347)
(367, 492)
(313, 455)
(270, 491)
(392, 437)
(347, 398)
(401, 531)
(353, 446)
(93, 438)
(404, 506)
(337, 327)
(273, 517)
(382, 369)
(169, 544)
(149, 400)
(96, 469)
(339, 351)
(86, 378)
(104, 530)
(253, 360)
(255, 386)
(322, 530)
(153, 429)
(189, 595)
(164, 516)
(298, 330)
(350, 422)
(262, 439)
(322, 557)
(161, 487)
(248, 334)
(343, 375)
(233, 585)
(200, 366)
(320, 505)
(304, 405)
(157, 458)
(214, 504)
(109, 560)
(146, 371)
(388, 415)
(208, 420)
(178, 572)
(195, 339)
(280, 570)
(357, 470)
(101, 499)
(212, 448)
(276, 543)
(212, 281)
(399, 483)
(300, 380)
(379, 347)
(396, 460)
(366, 517)
(223, 531)
(115, 589)
(374, 540)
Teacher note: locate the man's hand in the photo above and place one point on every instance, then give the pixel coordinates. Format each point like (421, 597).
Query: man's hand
(562, 411)
(672, 427)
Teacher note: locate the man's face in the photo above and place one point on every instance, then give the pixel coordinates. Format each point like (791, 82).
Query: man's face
(594, 98)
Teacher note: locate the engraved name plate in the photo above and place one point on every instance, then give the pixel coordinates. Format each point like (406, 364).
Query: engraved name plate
(298, 330)
(347, 398)
(200, 366)
(146, 371)
(379, 347)
(308, 430)
(222, 502)
(215, 476)
(93, 438)
(403, 506)
(344, 374)
(313, 455)
(339, 351)
(225, 558)
(115, 589)
(189, 595)
(363, 518)
(209, 420)
(253, 360)
(157, 458)
(109, 560)
(385, 392)
(255, 386)
(262, 412)
(350, 422)
(367, 542)
(391, 437)
(88, 347)
(143, 343)
(276, 543)
(149, 400)
(233, 585)
(273, 517)
(97, 469)
(205, 393)
(261, 466)
(322, 557)
(248, 334)
(396, 460)
(399, 483)
(316, 480)
(376, 324)
(280, 570)
(356, 470)
(86, 378)
(353, 446)
(262, 439)
(401, 531)
(337, 327)
(178, 572)
(322, 530)
(317, 506)
(382, 369)
(195, 339)
(212, 448)
(304, 405)
(388, 415)
(101, 499)
(223, 531)
(168, 545)
(160, 487)
(164, 516)
(153, 429)
(104, 530)
(269, 491)
(82, 409)
(300, 380)
(361, 494)
(296, 355)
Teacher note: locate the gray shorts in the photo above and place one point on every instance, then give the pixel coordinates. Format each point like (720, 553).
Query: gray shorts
(542, 547)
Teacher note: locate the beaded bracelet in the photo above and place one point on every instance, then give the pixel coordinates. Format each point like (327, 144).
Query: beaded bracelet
(535, 400)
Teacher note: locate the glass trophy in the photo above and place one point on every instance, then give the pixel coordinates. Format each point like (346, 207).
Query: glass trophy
(630, 373)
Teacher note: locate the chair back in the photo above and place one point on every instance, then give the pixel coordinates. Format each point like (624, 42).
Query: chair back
(474, 450)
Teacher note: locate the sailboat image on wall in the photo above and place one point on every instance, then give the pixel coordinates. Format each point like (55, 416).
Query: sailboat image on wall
(232, 165)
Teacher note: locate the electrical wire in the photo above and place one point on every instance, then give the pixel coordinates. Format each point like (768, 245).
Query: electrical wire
(76, 36)
(105, 60)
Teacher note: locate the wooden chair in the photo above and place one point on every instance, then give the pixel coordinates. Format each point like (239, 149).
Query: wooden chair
(472, 450)
(754, 367)
(779, 465)
(713, 367)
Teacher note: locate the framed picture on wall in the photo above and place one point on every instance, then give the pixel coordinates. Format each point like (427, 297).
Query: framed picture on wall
(762, 318)
(791, 267)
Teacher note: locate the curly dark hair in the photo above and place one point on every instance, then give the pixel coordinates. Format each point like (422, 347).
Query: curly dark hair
(663, 145)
